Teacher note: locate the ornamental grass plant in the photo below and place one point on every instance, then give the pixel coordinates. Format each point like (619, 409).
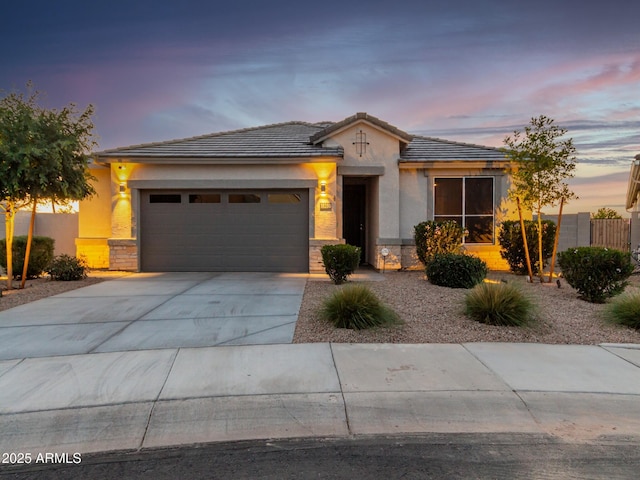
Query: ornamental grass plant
(499, 304)
(625, 310)
(356, 307)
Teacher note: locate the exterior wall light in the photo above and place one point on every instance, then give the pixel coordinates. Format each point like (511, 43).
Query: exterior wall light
(323, 188)
(122, 189)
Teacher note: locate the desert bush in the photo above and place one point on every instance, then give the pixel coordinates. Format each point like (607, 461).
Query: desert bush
(456, 271)
(499, 304)
(512, 246)
(40, 256)
(433, 238)
(340, 261)
(356, 307)
(597, 273)
(625, 310)
(67, 268)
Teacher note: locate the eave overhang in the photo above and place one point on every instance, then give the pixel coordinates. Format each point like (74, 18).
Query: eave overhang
(455, 164)
(240, 161)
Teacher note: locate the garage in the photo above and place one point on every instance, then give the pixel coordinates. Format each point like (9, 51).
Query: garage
(224, 230)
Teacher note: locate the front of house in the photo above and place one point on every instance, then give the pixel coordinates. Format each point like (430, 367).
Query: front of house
(268, 198)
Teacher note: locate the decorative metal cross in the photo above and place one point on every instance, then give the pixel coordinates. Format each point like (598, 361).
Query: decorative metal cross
(361, 143)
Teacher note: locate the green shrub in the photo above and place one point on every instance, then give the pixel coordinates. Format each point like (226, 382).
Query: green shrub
(356, 307)
(340, 261)
(512, 246)
(597, 273)
(625, 310)
(67, 268)
(40, 256)
(456, 271)
(499, 304)
(433, 238)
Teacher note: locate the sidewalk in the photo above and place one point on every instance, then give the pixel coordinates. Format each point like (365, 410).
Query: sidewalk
(153, 398)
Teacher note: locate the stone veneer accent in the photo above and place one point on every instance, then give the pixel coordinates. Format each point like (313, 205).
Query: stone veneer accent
(393, 261)
(123, 254)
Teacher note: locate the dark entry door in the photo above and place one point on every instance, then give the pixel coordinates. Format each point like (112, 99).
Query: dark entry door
(354, 217)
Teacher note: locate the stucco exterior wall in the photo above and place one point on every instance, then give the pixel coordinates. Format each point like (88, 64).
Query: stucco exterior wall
(109, 219)
(413, 200)
(383, 192)
(94, 221)
(62, 227)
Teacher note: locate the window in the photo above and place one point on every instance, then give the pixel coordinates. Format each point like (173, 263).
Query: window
(284, 198)
(244, 198)
(468, 201)
(165, 198)
(204, 198)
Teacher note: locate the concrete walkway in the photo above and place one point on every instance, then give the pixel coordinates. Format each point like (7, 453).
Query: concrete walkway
(142, 399)
(143, 387)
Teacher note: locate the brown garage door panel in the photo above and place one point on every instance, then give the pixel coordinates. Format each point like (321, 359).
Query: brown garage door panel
(224, 236)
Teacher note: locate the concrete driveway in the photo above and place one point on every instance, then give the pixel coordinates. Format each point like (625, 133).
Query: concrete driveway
(148, 311)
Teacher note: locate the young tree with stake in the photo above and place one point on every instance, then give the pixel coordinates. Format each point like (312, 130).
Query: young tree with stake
(543, 162)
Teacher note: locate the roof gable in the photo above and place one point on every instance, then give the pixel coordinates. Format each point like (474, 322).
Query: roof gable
(348, 122)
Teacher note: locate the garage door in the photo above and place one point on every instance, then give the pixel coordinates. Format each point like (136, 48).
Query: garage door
(224, 230)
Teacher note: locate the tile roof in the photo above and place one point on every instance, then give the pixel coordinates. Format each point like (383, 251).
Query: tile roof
(297, 140)
(283, 140)
(426, 149)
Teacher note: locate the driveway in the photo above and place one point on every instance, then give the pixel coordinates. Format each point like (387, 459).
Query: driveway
(148, 311)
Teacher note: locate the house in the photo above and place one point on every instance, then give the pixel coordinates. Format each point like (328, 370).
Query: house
(633, 191)
(268, 198)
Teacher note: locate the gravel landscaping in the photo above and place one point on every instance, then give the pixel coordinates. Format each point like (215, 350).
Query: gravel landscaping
(434, 314)
(431, 314)
(39, 288)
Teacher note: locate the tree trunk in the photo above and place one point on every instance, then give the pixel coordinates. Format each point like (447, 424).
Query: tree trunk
(555, 242)
(27, 253)
(540, 253)
(524, 240)
(9, 223)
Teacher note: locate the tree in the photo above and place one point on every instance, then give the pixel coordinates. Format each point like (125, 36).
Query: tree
(606, 213)
(542, 163)
(16, 123)
(51, 150)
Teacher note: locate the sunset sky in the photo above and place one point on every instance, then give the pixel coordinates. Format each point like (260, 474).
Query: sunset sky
(466, 70)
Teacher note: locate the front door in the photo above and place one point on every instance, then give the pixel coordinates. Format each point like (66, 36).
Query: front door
(354, 217)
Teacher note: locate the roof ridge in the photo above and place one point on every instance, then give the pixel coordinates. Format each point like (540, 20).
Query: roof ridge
(209, 135)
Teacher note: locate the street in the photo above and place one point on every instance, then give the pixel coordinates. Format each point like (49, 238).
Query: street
(433, 456)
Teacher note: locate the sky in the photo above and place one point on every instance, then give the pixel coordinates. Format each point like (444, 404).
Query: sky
(464, 70)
